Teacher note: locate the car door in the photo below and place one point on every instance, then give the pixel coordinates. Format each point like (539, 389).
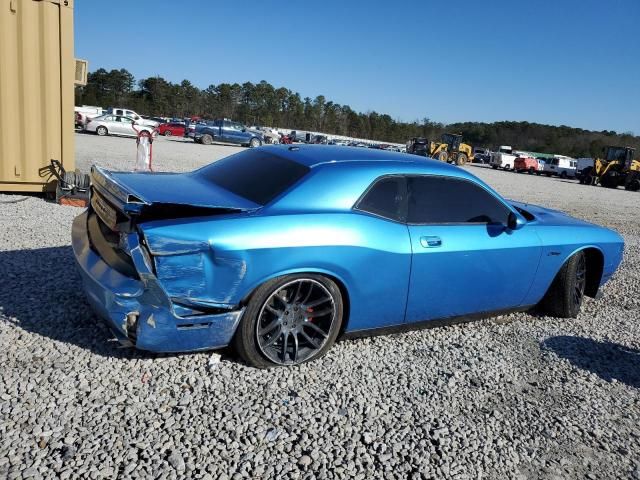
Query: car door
(385, 259)
(227, 132)
(465, 260)
(116, 125)
(127, 127)
(236, 135)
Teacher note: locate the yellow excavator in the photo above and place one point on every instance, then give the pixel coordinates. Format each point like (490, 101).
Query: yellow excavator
(618, 167)
(451, 149)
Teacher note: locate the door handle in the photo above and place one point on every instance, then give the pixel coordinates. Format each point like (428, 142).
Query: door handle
(430, 242)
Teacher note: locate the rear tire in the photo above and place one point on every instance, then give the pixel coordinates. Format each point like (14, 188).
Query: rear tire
(565, 295)
(461, 160)
(206, 139)
(167, 133)
(495, 167)
(563, 174)
(264, 311)
(443, 157)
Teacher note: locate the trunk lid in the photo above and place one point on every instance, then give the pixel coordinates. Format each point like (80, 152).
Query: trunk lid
(119, 197)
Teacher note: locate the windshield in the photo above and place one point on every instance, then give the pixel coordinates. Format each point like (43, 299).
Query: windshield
(255, 175)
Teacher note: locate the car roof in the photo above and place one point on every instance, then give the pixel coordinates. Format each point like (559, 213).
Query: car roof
(339, 175)
(314, 155)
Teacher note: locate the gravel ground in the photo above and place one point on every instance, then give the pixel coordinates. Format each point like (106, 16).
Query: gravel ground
(517, 396)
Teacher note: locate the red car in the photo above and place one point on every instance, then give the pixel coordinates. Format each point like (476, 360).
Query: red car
(169, 129)
(525, 164)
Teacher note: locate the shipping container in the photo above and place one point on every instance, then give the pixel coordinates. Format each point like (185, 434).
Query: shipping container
(37, 71)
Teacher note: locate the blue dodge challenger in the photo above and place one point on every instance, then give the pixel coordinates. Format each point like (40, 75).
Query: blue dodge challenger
(281, 249)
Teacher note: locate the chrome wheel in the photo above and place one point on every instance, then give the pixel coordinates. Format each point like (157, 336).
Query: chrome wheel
(581, 281)
(295, 321)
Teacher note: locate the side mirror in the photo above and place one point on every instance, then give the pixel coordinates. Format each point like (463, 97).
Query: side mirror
(515, 222)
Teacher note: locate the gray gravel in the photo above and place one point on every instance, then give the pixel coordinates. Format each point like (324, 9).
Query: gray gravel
(517, 396)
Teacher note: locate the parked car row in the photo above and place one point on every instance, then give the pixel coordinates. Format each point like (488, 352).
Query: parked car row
(559, 165)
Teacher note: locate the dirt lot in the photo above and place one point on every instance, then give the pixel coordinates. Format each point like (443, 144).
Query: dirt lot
(518, 396)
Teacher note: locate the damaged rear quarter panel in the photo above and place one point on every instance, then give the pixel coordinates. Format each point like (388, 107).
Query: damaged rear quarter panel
(244, 251)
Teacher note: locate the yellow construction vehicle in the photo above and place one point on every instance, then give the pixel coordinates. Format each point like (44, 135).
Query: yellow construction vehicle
(451, 149)
(618, 167)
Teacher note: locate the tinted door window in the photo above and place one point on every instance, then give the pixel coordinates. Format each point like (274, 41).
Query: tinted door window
(441, 200)
(384, 198)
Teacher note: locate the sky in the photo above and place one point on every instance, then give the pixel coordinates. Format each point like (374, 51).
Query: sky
(571, 62)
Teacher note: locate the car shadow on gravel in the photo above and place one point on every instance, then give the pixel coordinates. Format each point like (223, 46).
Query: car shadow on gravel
(607, 360)
(41, 292)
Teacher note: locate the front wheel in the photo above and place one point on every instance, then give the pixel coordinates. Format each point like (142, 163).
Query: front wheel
(206, 139)
(290, 320)
(443, 157)
(102, 131)
(167, 133)
(255, 142)
(565, 295)
(462, 159)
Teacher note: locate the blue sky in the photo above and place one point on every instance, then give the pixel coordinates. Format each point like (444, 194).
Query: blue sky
(572, 62)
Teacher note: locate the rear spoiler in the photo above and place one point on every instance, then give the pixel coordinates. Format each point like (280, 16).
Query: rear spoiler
(127, 200)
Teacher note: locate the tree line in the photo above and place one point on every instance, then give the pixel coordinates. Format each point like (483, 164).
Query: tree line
(263, 104)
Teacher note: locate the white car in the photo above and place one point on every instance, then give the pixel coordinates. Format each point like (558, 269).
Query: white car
(116, 125)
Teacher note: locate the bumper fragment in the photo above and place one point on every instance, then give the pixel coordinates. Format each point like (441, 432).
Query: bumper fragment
(139, 311)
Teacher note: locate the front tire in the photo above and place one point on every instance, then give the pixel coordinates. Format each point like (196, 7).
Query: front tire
(565, 295)
(461, 160)
(290, 320)
(102, 131)
(255, 142)
(167, 133)
(206, 139)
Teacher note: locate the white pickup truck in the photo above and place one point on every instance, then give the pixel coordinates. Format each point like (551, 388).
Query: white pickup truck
(85, 113)
(124, 112)
(504, 158)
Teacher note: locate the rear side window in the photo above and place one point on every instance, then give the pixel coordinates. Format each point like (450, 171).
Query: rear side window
(255, 175)
(384, 198)
(441, 200)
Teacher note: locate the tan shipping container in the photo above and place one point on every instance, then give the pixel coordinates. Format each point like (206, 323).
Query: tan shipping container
(37, 70)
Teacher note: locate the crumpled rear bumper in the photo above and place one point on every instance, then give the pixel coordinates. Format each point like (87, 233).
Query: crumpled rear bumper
(138, 311)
